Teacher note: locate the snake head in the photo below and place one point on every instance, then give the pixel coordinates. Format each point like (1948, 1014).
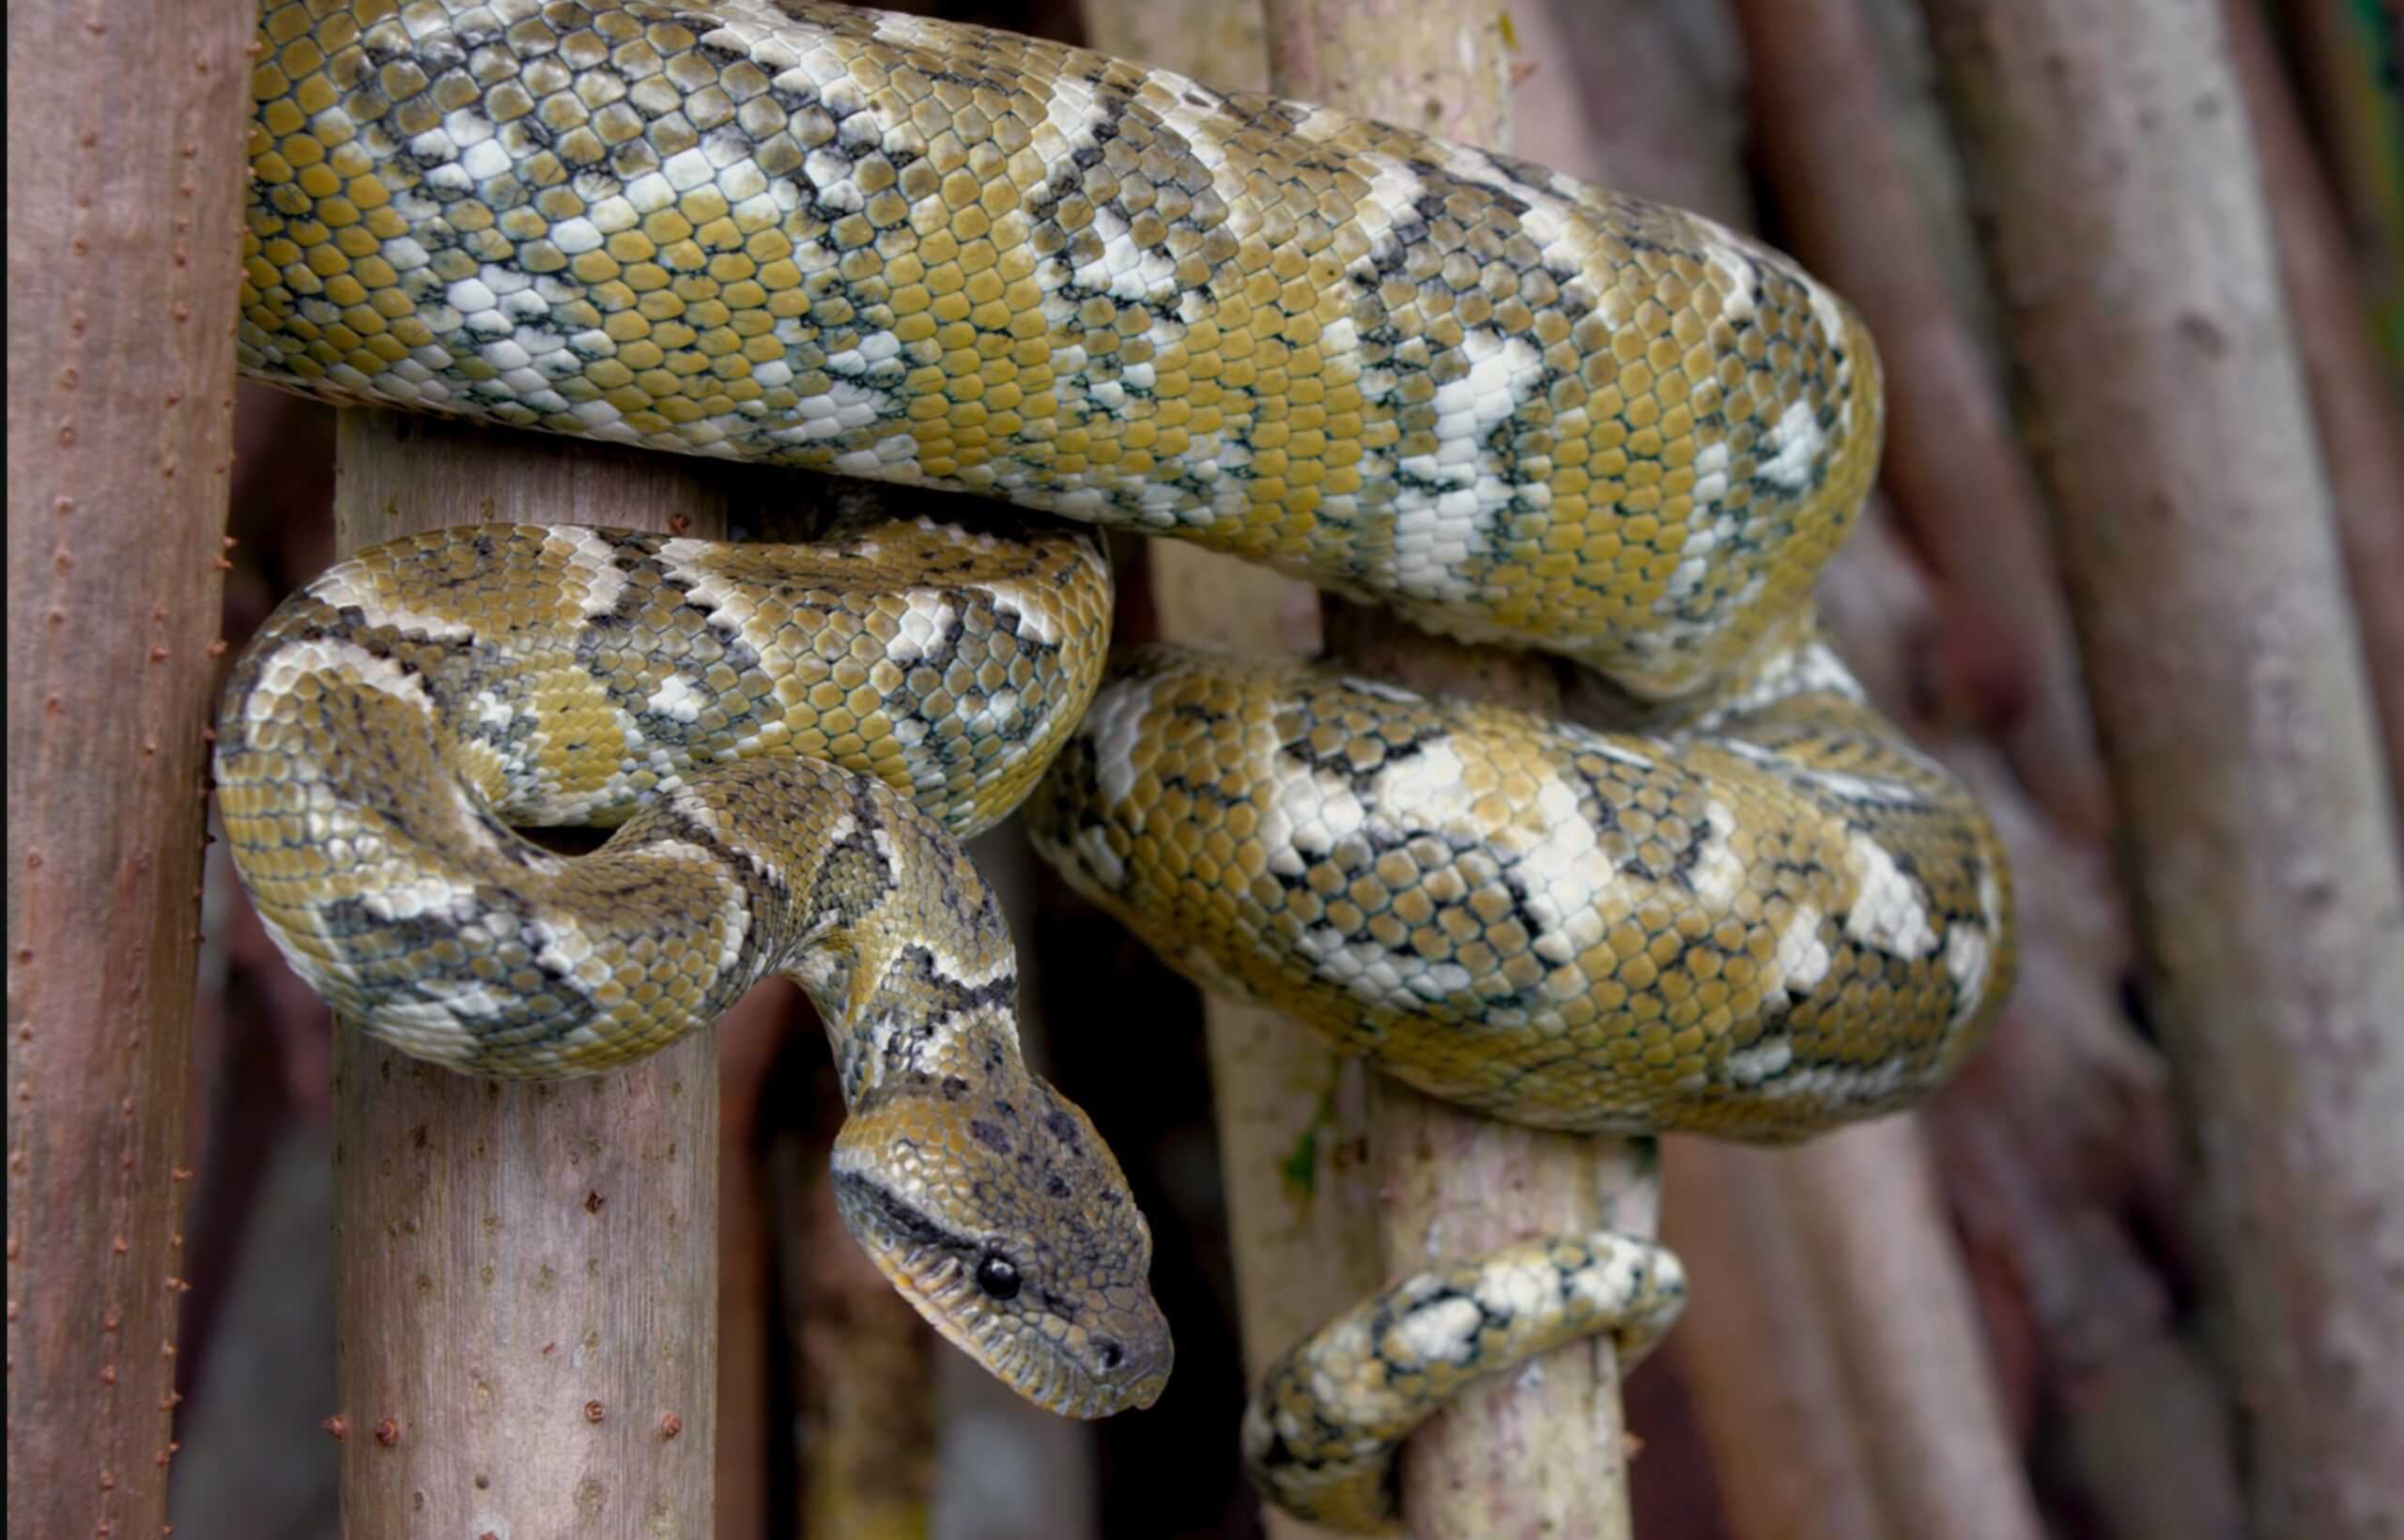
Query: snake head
(1000, 1215)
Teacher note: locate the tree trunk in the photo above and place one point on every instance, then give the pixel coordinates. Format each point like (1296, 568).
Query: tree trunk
(124, 218)
(2127, 229)
(527, 1272)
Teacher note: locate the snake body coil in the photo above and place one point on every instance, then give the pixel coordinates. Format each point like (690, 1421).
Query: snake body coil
(1508, 405)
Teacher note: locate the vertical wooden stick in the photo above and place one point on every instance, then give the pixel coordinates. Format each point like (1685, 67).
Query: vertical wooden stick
(1850, 211)
(1542, 1451)
(527, 1273)
(1292, 1116)
(2127, 227)
(2357, 409)
(124, 208)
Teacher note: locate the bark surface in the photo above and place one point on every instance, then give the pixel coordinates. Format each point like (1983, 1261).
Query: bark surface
(124, 196)
(2126, 224)
(528, 1274)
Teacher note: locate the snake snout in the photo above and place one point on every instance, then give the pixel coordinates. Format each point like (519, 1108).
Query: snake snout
(1126, 1361)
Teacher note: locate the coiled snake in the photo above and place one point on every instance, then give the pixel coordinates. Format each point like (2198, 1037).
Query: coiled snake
(1510, 405)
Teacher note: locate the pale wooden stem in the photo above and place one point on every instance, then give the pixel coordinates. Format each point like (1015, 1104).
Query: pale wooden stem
(124, 220)
(2127, 227)
(1292, 1117)
(1850, 211)
(527, 1273)
(2356, 406)
(1782, 1345)
(2346, 53)
(1535, 1453)
(1768, 1380)
(1871, 1225)
(750, 1227)
(2025, 1131)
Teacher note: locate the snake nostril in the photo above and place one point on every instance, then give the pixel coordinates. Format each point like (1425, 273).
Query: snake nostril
(1107, 1354)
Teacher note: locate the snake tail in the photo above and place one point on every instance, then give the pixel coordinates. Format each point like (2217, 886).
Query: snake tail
(396, 717)
(1321, 1434)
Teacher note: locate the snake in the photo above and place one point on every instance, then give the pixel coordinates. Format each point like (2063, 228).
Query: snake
(1008, 289)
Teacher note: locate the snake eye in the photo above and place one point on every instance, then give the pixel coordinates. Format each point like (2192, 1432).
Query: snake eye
(996, 1277)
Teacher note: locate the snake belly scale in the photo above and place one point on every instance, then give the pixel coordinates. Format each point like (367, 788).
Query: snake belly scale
(1505, 403)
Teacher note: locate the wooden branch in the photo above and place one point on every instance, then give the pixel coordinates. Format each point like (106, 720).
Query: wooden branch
(1871, 1226)
(1794, 1258)
(2356, 405)
(861, 1361)
(1756, 1348)
(1537, 1453)
(1218, 43)
(125, 178)
(527, 1273)
(1833, 1317)
(2055, 1143)
(1292, 1116)
(2127, 231)
(2347, 52)
(1849, 210)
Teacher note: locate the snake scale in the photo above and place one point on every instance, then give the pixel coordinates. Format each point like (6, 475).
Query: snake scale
(1510, 405)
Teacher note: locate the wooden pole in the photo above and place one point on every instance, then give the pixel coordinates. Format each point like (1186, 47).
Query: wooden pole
(1850, 211)
(1535, 1453)
(124, 205)
(1292, 1115)
(527, 1272)
(2357, 407)
(2126, 225)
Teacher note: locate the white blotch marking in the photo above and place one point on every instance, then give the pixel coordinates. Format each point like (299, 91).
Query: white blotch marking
(1739, 279)
(346, 586)
(1795, 445)
(1969, 949)
(1801, 957)
(1037, 618)
(1378, 689)
(926, 621)
(1887, 912)
(1434, 535)
(1310, 814)
(1443, 1332)
(1607, 1283)
(328, 656)
(593, 559)
(1116, 725)
(1836, 1085)
(1092, 846)
(1814, 669)
(427, 893)
(1567, 871)
(676, 700)
(1375, 975)
(1717, 875)
(1518, 1290)
(1764, 1059)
